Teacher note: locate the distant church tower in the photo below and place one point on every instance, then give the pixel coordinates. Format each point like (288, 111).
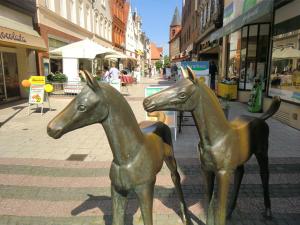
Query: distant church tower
(175, 26)
(174, 39)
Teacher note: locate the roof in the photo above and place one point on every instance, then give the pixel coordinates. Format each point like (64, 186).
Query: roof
(156, 52)
(176, 21)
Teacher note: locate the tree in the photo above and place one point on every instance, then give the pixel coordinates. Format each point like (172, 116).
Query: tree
(158, 64)
(166, 61)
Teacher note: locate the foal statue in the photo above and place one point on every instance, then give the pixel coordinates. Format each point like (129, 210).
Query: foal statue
(224, 146)
(138, 154)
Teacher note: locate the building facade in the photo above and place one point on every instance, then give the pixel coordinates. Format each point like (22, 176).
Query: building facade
(156, 55)
(210, 17)
(174, 37)
(63, 22)
(19, 43)
(190, 30)
(246, 40)
(284, 70)
(118, 12)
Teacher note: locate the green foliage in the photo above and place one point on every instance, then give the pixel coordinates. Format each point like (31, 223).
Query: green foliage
(166, 61)
(158, 64)
(57, 77)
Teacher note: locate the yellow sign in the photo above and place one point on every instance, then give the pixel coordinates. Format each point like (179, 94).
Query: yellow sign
(38, 80)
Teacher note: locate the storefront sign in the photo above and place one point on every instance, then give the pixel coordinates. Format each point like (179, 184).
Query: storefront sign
(36, 95)
(170, 116)
(12, 36)
(32, 40)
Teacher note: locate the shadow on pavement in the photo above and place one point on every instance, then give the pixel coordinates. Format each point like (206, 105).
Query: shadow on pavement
(18, 110)
(97, 202)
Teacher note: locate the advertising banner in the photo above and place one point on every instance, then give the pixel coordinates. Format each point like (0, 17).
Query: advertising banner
(235, 8)
(37, 89)
(170, 116)
(36, 95)
(200, 68)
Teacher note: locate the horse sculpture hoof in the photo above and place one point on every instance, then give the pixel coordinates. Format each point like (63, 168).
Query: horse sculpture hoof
(267, 214)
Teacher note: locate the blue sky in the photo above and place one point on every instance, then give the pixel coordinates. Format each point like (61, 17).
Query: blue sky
(156, 18)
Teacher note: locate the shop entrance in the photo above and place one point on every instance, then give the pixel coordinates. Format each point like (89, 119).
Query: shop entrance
(9, 81)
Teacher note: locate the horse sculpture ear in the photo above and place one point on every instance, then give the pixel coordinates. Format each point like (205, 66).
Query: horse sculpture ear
(91, 81)
(191, 75)
(184, 73)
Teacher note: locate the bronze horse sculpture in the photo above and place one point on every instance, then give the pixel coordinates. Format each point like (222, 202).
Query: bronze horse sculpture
(224, 146)
(138, 154)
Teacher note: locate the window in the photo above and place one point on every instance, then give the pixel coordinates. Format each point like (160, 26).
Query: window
(105, 29)
(101, 26)
(50, 4)
(63, 8)
(81, 14)
(247, 54)
(88, 18)
(73, 11)
(208, 11)
(97, 25)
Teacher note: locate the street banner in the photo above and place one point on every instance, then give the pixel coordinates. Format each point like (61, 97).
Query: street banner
(170, 116)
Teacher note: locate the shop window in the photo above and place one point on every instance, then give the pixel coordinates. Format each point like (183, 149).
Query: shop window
(9, 80)
(285, 69)
(234, 54)
(247, 54)
(251, 56)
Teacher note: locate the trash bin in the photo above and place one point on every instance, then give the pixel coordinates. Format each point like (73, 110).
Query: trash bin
(255, 101)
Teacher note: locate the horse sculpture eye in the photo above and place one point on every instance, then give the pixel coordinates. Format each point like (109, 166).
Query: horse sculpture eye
(81, 108)
(182, 95)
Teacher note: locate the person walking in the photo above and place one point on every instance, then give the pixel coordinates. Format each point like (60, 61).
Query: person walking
(114, 72)
(106, 75)
(212, 71)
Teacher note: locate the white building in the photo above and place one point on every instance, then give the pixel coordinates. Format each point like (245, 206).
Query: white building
(130, 37)
(61, 22)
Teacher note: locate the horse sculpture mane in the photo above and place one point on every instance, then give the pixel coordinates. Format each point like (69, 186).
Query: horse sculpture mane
(224, 146)
(138, 155)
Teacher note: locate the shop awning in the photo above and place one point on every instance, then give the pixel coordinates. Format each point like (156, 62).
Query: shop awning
(262, 12)
(15, 33)
(116, 55)
(84, 49)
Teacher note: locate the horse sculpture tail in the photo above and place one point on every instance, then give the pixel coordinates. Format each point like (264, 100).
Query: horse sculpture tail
(272, 109)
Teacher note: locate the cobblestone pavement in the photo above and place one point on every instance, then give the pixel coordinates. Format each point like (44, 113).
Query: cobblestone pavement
(39, 186)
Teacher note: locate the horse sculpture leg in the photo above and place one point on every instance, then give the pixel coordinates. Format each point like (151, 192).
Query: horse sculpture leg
(145, 196)
(171, 164)
(119, 202)
(209, 182)
(223, 181)
(263, 162)
(238, 176)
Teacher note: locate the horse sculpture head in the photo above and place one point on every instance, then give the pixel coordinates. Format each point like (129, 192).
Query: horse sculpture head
(80, 112)
(182, 96)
